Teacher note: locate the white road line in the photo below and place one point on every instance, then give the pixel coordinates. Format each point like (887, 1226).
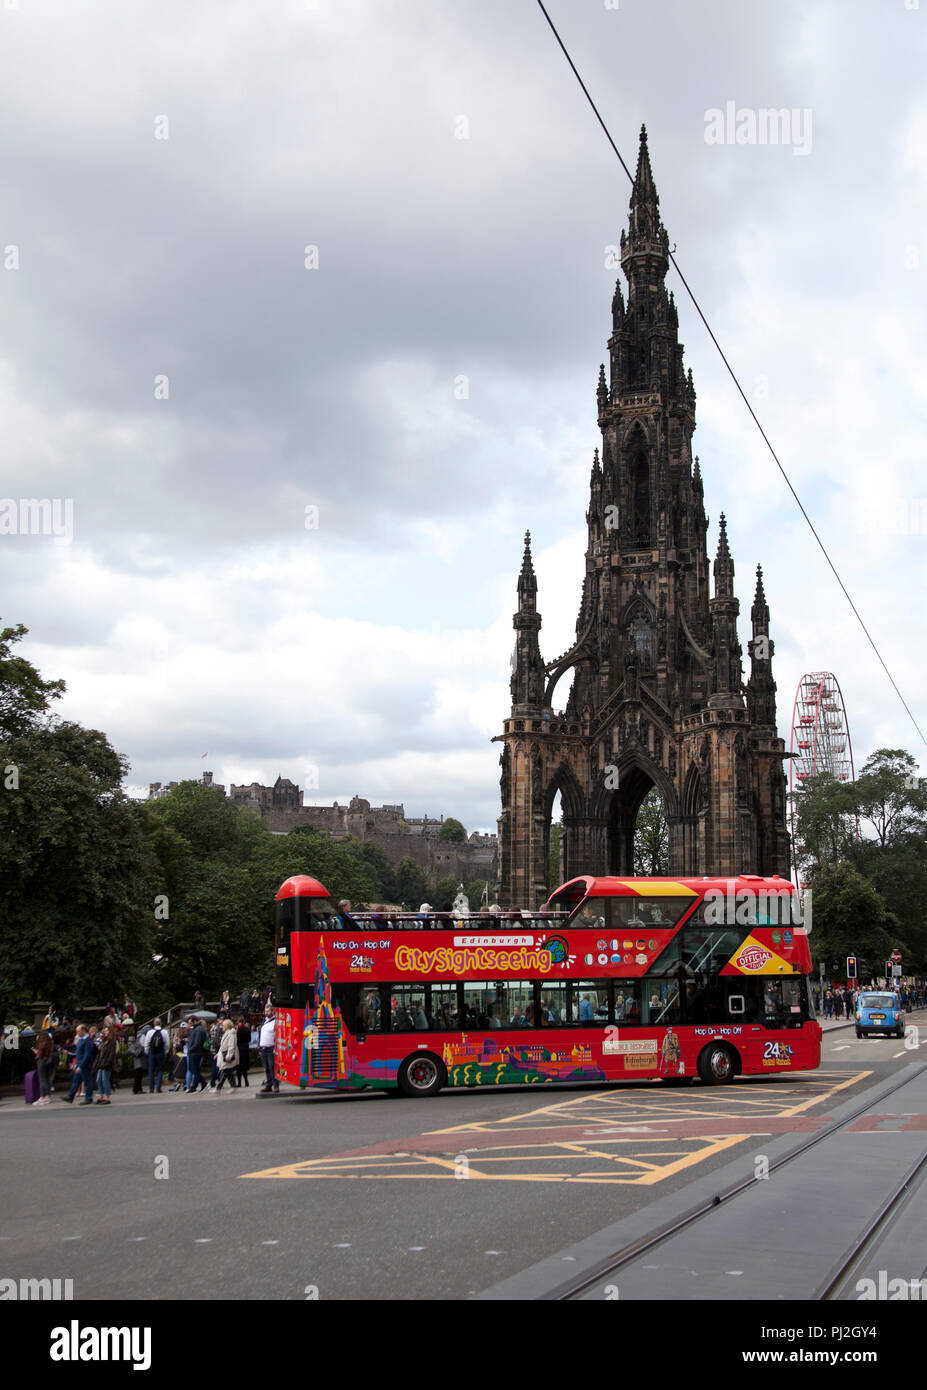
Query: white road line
(842, 1048)
(898, 1054)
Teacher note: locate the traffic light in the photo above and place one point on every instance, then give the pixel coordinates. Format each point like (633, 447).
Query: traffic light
(851, 968)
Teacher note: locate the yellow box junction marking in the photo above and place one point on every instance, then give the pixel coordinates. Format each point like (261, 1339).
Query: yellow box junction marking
(655, 1157)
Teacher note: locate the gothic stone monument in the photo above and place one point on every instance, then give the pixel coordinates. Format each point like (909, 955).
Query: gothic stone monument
(657, 697)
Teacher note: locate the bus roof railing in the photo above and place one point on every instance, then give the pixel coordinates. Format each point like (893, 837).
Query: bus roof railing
(476, 921)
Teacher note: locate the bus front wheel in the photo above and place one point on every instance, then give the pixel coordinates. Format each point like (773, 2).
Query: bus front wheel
(421, 1075)
(716, 1065)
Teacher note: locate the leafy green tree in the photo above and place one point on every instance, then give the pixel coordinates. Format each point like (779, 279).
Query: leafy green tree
(279, 857)
(218, 935)
(849, 919)
(444, 893)
(213, 826)
(651, 837)
(75, 889)
(453, 831)
(411, 884)
(890, 796)
(877, 825)
(24, 696)
(474, 893)
(825, 822)
(378, 868)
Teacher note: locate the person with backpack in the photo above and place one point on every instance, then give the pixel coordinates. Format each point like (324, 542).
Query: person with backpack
(157, 1041)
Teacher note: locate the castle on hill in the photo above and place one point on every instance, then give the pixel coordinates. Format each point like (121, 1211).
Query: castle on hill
(400, 837)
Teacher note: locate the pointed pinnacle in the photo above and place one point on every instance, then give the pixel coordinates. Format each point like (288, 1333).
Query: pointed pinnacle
(759, 584)
(722, 538)
(644, 189)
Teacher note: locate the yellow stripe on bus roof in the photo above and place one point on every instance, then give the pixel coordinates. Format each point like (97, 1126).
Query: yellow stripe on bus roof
(658, 887)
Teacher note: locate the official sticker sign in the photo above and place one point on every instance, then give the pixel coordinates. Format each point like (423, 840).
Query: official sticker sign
(753, 958)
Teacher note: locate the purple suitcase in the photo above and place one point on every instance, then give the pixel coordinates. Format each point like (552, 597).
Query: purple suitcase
(31, 1083)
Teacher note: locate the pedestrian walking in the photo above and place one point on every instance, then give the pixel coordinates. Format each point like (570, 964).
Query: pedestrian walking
(180, 1059)
(215, 1042)
(196, 1044)
(243, 1036)
(44, 1052)
(157, 1042)
(104, 1064)
(84, 1056)
(227, 1056)
(139, 1064)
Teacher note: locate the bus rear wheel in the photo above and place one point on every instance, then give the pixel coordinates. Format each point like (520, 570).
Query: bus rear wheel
(420, 1075)
(716, 1065)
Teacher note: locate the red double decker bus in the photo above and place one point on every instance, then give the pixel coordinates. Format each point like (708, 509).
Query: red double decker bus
(614, 979)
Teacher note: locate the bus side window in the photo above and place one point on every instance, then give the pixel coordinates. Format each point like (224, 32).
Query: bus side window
(370, 1013)
(589, 1002)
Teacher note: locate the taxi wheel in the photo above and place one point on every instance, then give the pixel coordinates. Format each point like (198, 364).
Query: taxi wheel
(421, 1075)
(716, 1065)
(859, 1032)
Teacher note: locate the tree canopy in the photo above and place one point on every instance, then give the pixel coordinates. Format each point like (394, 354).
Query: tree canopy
(863, 848)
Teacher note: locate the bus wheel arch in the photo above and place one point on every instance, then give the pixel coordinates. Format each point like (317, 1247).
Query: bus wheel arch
(718, 1063)
(421, 1074)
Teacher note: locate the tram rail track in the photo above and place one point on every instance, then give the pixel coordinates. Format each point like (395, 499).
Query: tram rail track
(844, 1272)
(839, 1275)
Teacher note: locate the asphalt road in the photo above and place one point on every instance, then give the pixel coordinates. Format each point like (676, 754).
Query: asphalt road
(369, 1196)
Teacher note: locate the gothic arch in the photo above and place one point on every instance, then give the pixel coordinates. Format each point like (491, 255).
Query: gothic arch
(630, 767)
(636, 436)
(564, 781)
(619, 807)
(696, 824)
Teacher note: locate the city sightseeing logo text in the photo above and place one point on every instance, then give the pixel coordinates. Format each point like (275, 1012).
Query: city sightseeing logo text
(445, 961)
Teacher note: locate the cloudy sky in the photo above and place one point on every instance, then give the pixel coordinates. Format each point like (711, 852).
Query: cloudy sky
(300, 478)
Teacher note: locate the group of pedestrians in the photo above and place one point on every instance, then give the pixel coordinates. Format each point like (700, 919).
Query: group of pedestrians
(157, 1055)
(94, 1065)
(840, 1001)
(227, 1046)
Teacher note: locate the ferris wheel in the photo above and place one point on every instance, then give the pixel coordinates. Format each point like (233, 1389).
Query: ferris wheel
(820, 734)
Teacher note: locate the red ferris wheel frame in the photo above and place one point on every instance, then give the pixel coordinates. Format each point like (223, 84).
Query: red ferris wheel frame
(820, 734)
